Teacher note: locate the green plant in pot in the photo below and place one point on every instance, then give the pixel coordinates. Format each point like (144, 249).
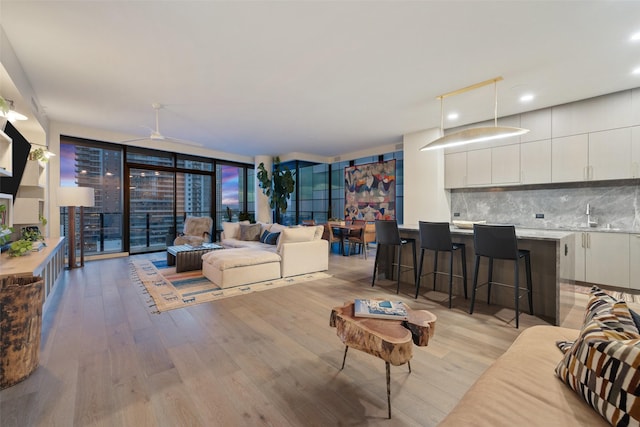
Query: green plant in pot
(277, 186)
(4, 105)
(33, 234)
(39, 154)
(20, 247)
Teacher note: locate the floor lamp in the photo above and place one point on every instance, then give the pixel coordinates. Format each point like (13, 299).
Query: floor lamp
(73, 197)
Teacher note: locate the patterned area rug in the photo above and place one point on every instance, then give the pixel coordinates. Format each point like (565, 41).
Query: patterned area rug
(171, 290)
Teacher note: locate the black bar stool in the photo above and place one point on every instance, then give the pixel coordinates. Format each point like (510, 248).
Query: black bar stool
(436, 236)
(387, 234)
(499, 242)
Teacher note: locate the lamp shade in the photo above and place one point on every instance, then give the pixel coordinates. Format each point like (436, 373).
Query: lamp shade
(76, 196)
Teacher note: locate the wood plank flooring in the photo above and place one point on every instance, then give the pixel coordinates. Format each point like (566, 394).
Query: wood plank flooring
(267, 358)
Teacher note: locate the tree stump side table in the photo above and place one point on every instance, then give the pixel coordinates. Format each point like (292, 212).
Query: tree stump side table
(389, 340)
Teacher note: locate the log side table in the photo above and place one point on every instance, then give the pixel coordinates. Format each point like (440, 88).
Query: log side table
(389, 340)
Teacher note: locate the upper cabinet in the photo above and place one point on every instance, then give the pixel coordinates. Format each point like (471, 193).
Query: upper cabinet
(479, 167)
(596, 139)
(610, 154)
(6, 155)
(539, 124)
(569, 158)
(455, 170)
(535, 162)
(605, 112)
(505, 164)
(635, 152)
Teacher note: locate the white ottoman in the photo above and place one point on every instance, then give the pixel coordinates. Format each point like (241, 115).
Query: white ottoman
(240, 266)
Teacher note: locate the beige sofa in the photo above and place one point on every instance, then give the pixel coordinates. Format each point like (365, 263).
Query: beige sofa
(301, 249)
(521, 388)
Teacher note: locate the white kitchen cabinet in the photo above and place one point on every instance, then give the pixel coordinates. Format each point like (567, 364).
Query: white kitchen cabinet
(478, 167)
(535, 162)
(6, 155)
(634, 261)
(580, 249)
(610, 111)
(610, 155)
(505, 164)
(539, 124)
(569, 158)
(635, 152)
(606, 258)
(455, 170)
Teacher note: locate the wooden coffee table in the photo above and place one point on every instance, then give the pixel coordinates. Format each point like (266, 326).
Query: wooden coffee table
(390, 340)
(187, 258)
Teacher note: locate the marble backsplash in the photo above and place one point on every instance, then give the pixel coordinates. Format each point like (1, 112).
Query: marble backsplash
(615, 207)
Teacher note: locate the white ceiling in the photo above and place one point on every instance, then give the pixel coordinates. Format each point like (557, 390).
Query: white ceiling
(317, 77)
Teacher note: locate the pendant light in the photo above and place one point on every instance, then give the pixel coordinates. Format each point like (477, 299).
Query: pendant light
(476, 134)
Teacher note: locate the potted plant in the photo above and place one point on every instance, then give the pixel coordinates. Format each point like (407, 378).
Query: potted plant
(39, 154)
(20, 247)
(277, 187)
(34, 235)
(4, 105)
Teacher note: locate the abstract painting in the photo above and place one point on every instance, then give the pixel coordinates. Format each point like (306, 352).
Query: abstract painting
(370, 191)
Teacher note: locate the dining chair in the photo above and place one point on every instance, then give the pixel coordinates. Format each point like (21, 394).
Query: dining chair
(356, 236)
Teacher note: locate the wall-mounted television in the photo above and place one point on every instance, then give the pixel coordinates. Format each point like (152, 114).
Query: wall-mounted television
(21, 148)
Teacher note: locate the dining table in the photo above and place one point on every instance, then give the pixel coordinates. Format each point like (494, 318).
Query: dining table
(344, 229)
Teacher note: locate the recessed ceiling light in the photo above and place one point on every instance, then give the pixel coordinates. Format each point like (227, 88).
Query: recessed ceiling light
(635, 37)
(526, 97)
(636, 71)
(452, 116)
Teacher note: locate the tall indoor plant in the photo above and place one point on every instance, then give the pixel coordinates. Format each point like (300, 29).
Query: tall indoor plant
(277, 186)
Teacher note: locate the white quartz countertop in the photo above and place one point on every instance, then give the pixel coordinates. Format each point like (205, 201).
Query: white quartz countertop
(521, 233)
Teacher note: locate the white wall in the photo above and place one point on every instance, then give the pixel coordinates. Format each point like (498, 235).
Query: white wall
(425, 198)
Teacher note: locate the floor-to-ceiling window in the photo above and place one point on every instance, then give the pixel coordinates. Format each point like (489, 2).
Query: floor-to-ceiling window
(194, 190)
(313, 192)
(151, 207)
(235, 188)
(87, 164)
(143, 195)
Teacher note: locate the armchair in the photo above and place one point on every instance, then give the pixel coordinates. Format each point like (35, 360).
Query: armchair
(197, 230)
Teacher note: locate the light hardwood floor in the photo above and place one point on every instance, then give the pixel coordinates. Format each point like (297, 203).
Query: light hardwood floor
(268, 358)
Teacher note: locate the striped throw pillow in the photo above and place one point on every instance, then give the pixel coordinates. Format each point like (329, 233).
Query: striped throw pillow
(602, 365)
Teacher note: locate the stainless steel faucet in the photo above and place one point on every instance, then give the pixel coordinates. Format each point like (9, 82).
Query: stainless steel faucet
(590, 222)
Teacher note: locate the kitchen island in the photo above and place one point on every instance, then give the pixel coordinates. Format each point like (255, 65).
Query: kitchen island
(552, 265)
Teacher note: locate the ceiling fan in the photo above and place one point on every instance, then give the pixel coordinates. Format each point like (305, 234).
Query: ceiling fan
(157, 136)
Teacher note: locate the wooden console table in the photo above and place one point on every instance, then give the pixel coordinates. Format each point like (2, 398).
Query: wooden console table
(389, 340)
(47, 263)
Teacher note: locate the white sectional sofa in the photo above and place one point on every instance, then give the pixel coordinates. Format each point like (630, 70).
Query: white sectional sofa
(301, 249)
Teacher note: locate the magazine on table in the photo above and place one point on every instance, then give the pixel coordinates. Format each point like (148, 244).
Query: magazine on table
(380, 309)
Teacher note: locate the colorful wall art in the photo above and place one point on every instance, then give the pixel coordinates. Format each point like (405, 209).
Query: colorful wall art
(370, 191)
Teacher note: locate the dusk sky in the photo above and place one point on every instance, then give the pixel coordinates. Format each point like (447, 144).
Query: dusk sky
(67, 165)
